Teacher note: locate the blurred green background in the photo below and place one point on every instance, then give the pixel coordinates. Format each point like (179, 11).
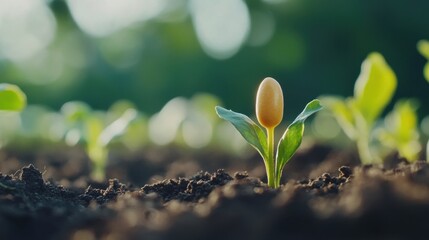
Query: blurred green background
(150, 51)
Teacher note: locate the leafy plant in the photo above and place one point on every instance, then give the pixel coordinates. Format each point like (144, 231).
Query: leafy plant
(400, 130)
(91, 126)
(356, 115)
(269, 112)
(11, 97)
(423, 47)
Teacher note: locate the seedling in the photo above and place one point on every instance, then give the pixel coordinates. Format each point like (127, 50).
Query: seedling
(11, 98)
(356, 115)
(269, 112)
(423, 47)
(92, 127)
(400, 130)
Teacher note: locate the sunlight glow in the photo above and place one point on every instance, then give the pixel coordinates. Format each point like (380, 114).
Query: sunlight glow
(197, 130)
(263, 28)
(221, 26)
(229, 138)
(26, 27)
(101, 18)
(164, 125)
(324, 126)
(10, 124)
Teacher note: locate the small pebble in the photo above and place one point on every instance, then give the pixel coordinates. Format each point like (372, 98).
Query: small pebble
(345, 171)
(326, 176)
(304, 181)
(316, 184)
(241, 175)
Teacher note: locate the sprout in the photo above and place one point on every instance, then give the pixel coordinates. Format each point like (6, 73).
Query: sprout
(423, 47)
(400, 130)
(269, 111)
(97, 133)
(11, 99)
(356, 115)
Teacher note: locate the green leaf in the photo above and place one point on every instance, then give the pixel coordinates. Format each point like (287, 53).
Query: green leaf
(253, 134)
(292, 137)
(11, 98)
(118, 127)
(426, 71)
(94, 126)
(339, 108)
(374, 87)
(311, 108)
(423, 48)
(76, 111)
(401, 129)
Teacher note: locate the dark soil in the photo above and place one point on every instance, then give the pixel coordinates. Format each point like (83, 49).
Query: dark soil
(360, 202)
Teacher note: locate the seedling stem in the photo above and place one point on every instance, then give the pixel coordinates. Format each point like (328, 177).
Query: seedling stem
(270, 168)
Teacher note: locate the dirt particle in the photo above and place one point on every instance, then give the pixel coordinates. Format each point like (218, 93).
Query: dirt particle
(332, 188)
(326, 177)
(241, 175)
(303, 181)
(32, 177)
(316, 184)
(192, 189)
(345, 171)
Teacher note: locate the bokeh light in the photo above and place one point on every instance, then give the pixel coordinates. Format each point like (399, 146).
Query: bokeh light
(26, 28)
(112, 15)
(151, 51)
(222, 26)
(164, 125)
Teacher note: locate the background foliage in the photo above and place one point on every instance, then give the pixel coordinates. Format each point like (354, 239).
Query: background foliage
(312, 47)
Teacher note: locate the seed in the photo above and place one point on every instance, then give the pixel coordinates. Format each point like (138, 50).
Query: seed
(269, 103)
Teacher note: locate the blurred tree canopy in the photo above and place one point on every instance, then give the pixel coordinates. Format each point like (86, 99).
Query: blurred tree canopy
(153, 50)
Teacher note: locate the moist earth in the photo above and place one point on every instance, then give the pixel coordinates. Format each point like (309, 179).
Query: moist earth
(351, 202)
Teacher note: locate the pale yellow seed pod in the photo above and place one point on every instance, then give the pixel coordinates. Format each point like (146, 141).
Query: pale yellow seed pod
(269, 103)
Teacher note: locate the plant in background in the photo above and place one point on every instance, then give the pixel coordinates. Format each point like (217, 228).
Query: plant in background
(423, 48)
(11, 98)
(400, 130)
(269, 112)
(91, 126)
(357, 115)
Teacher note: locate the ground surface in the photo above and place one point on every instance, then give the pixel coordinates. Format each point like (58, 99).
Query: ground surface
(334, 202)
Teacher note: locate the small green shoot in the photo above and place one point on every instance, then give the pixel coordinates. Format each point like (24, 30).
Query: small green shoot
(400, 130)
(11, 98)
(97, 133)
(423, 47)
(269, 111)
(356, 115)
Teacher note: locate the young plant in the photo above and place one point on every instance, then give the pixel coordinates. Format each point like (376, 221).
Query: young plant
(356, 115)
(400, 130)
(423, 48)
(11, 98)
(97, 133)
(269, 112)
